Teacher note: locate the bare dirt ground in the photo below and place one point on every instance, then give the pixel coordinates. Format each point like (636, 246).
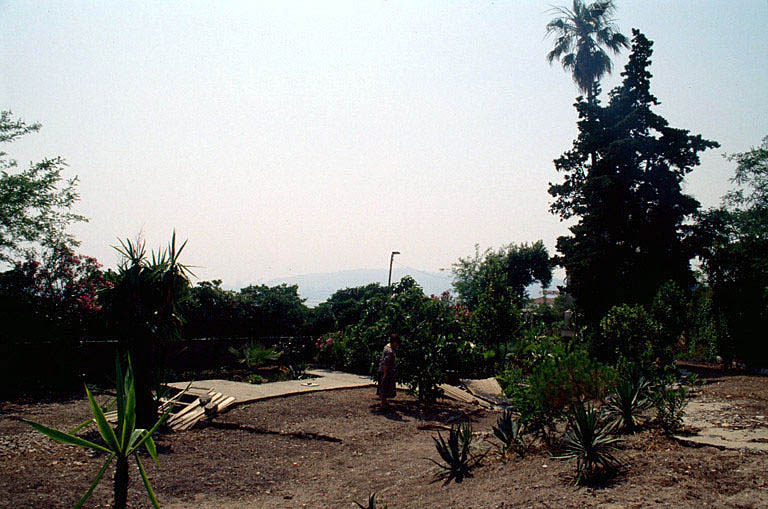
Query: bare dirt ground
(328, 449)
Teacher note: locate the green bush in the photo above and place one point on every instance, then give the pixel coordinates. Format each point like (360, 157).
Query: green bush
(670, 400)
(557, 378)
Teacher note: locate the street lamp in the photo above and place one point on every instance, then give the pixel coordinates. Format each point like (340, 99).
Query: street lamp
(391, 259)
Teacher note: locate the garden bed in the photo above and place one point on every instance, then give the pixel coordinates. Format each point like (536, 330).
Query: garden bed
(327, 449)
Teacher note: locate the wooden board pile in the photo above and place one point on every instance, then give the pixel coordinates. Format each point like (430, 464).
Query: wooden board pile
(189, 407)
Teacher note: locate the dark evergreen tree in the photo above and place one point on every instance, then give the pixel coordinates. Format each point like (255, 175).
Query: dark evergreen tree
(623, 182)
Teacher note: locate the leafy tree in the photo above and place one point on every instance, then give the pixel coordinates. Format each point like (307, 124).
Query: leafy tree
(583, 33)
(211, 311)
(623, 182)
(734, 240)
(432, 347)
(35, 202)
(347, 305)
(273, 310)
(512, 268)
(494, 288)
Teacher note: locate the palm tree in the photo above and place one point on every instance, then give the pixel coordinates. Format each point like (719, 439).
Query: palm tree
(583, 33)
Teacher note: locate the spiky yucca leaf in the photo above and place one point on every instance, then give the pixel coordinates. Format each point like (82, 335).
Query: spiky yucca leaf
(589, 442)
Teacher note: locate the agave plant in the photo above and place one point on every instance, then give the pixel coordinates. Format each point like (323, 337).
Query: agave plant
(629, 397)
(455, 452)
(589, 442)
(509, 432)
(120, 443)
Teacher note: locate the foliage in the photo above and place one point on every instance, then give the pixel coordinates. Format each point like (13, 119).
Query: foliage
(558, 376)
(629, 397)
(509, 431)
(588, 440)
(456, 452)
(627, 332)
(50, 298)
(431, 332)
(511, 269)
(623, 183)
(670, 401)
(120, 443)
(582, 34)
(733, 240)
(142, 307)
(255, 355)
(36, 202)
(348, 305)
(273, 311)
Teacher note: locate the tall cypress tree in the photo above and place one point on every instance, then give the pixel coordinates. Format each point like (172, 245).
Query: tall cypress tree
(622, 180)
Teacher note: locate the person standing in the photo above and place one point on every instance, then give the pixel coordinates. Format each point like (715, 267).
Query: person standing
(386, 388)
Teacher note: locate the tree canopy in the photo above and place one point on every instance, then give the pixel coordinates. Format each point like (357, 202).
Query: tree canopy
(623, 182)
(583, 33)
(35, 202)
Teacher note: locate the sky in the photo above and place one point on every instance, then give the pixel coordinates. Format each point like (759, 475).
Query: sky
(286, 138)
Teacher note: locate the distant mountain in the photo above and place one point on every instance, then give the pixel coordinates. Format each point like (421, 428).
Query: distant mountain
(317, 288)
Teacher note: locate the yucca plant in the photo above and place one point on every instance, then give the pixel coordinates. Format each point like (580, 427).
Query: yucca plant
(456, 452)
(509, 432)
(629, 397)
(588, 440)
(120, 443)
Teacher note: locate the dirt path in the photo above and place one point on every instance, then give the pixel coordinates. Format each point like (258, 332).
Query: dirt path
(326, 449)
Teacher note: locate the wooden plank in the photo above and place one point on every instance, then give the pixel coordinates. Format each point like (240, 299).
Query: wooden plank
(191, 419)
(227, 401)
(187, 409)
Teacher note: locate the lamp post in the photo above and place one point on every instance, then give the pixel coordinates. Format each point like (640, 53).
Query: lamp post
(391, 259)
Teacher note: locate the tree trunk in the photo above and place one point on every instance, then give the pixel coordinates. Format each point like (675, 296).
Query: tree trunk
(121, 483)
(144, 376)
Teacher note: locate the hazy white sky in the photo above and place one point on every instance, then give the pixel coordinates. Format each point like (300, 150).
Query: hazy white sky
(285, 138)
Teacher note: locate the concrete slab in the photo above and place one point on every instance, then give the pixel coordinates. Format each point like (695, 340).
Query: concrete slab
(721, 426)
(244, 392)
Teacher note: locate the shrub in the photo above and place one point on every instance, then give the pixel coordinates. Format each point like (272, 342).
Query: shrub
(509, 432)
(330, 351)
(588, 440)
(627, 332)
(670, 402)
(557, 379)
(455, 452)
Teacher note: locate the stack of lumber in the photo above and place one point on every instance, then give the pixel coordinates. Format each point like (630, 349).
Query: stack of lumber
(189, 407)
